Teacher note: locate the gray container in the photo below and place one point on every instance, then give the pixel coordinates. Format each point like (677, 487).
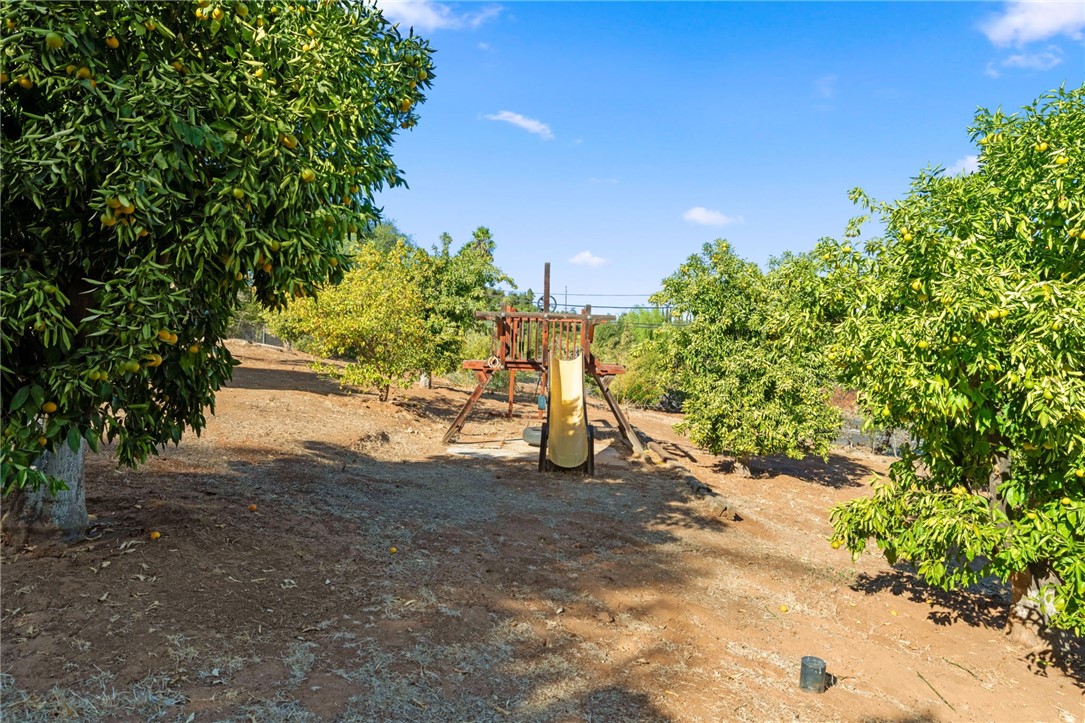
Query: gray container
(812, 677)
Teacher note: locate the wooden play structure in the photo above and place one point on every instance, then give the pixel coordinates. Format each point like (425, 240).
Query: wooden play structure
(558, 346)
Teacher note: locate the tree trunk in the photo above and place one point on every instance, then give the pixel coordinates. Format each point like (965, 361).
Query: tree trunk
(32, 512)
(425, 380)
(1030, 610)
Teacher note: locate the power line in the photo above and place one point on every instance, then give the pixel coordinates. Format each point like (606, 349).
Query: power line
(631, 295)
(605, 306)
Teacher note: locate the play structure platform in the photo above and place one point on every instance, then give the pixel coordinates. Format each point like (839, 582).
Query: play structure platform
(558, 346)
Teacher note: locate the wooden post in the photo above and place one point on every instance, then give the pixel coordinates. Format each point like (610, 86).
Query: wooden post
(512, 391)
(546, 288)
(545, 335)
(629, 434)
(484, 376)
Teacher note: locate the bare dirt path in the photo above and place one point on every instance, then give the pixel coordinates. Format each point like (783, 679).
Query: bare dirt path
(382, 578)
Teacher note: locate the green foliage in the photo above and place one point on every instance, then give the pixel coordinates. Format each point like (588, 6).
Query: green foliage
(966, 325)
(453, 288)
(159, 159)
(399, 311)
(629, 340)
(750, 359)
(519, 300)
(373, 318)
(382, 235)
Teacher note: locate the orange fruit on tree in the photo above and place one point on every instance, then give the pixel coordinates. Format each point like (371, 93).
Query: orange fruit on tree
(26, 82)
(308, 175)
(83, 73)
(49, 407)
(54, 41)
(164, 334)
(112, 43)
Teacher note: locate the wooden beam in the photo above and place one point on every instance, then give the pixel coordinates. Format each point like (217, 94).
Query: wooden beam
(629, 434)
(512, 391)
(542, 316)
(484, 376)
(546, 287)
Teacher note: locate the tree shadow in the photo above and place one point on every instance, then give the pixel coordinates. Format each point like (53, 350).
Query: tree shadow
(303, 380)
(985, 604)
(839, 472)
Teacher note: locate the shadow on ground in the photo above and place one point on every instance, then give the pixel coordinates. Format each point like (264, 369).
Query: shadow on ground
(838, 473)
(359, 589)
(986, 605)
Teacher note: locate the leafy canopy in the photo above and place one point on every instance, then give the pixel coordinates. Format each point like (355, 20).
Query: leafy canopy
(967, 327)
(399, 311)
(749, 361)
(454, 286)
(373, 319)
(159, 157)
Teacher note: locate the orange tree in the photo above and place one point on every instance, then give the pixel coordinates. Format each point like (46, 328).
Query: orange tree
(966, 326)
(749, 363)
(158, 157)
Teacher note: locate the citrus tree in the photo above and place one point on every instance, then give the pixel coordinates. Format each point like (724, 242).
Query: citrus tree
(454, 286)
(399, 311)
(749, 361)
(158, 157)
(966, 326)
(373, 319)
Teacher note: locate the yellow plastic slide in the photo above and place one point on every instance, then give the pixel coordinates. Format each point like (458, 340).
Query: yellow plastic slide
(567, 437)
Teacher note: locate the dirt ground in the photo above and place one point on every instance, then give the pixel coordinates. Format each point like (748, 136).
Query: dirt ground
(380, 577)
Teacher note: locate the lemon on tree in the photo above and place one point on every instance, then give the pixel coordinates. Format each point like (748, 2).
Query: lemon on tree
(132, 242)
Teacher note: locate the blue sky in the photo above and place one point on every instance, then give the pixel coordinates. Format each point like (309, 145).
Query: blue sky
(613, 139)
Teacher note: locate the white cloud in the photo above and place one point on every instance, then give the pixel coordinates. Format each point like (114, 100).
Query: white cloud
(825, 87)
(991, 71)
(587, 258)
(427, 15)
(483, 46)
(1025, 21)
(706, 217)
(1045, 60)
(528, 124)
(964, 166)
